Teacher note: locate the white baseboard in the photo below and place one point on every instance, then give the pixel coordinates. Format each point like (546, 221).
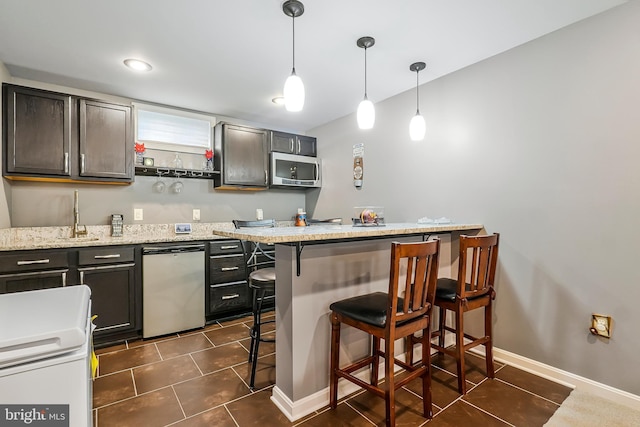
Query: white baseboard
(300, 408)
(564, 377)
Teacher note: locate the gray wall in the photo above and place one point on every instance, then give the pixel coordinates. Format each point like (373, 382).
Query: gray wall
(51, 204)
(541, 144)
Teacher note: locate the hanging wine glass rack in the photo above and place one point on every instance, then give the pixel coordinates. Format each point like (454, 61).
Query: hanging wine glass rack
(175, 173)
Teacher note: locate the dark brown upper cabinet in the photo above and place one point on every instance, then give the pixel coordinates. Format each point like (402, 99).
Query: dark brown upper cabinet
(241, 156)
(293, 144)
(106, 140)
(55, 136)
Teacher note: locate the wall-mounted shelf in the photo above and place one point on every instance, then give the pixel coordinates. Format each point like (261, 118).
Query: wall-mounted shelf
(175, 173)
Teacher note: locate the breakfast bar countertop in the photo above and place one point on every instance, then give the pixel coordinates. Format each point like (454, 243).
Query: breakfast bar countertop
(338, 232)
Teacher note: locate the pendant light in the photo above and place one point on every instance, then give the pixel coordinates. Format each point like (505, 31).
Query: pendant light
(417, 127)
(293, 86)
(366, 112)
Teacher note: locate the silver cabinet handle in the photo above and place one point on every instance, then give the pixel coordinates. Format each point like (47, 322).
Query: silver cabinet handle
(35, 261)
(106, 256)
(298, 152)
(64, 278)
(266, 177)
(291, 141)
(229, 247)
(82, 163)
(81, 277)
(229, 268)
(233, 296)
(66, 162)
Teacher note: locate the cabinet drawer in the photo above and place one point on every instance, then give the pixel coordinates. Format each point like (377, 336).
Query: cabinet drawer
(107, 255)
(224, 247)
(33, 261)
(228, 297)
(229, 268)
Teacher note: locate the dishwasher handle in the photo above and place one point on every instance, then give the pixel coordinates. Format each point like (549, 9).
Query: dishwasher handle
(156, 250)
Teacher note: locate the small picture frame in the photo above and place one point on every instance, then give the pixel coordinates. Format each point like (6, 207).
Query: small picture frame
(183, 228)
(147, 161)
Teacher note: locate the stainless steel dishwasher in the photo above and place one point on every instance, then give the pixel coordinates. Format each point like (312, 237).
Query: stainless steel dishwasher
(173, 287)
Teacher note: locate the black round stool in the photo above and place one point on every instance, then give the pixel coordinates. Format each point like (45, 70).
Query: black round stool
(263, 284)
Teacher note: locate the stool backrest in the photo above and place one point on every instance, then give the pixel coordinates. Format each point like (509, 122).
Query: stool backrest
(477, 265)
(420, 278)
(256, 255)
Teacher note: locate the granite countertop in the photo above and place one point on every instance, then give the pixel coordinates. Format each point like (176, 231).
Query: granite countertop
(23, 238)
(336, 232)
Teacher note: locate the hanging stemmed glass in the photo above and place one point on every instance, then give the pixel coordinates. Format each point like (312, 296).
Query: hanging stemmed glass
(176, 187)
(159, 185)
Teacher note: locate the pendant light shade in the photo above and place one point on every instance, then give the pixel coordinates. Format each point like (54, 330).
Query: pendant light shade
(293, 87)
(366, 113)
(293, 93)
(417, 126)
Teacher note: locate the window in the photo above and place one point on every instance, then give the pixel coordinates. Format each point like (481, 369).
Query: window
(173, 130)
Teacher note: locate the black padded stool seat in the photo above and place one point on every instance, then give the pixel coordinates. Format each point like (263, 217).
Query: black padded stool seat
(370, 309)
(446, 289)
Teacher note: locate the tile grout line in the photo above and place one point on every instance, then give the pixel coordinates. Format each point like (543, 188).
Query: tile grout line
(196, 363)
(486, 412)
(346, 402)
(133, 380)
(527, 391)
(231, 415)
(179, 403)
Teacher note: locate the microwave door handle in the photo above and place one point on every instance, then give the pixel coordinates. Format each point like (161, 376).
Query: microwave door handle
(317, 171)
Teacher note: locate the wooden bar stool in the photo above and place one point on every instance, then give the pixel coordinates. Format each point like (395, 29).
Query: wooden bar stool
(388, 316)
(261, 277)
(472, 289)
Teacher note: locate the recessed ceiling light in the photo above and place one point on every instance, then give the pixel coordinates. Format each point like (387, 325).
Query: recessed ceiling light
(278, 100)
(137, 65)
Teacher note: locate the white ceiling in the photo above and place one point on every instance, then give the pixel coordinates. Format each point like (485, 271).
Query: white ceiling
(232, 57)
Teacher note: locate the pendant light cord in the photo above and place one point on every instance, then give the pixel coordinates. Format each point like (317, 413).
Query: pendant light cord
(293, 24)
(417, 94)
(365, 73)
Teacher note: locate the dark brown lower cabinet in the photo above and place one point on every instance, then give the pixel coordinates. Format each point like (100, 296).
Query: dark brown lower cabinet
(111, 274)
(227, 290)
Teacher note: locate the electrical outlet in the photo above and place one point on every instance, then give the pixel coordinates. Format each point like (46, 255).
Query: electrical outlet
(196, 214)
(137, 215)
(601, 325)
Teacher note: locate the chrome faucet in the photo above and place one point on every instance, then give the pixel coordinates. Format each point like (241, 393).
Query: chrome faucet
(78, 230)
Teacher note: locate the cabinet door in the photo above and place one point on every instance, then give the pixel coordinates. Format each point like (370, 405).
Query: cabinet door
(306, 145)
(244, 156)
(283, 142)
(106, 141)
(112, 297)
(38, 132)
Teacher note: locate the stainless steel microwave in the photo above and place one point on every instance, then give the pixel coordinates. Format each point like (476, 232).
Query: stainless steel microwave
(291, 170)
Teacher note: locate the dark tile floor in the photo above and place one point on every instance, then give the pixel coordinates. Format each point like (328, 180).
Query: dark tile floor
(200, 378)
